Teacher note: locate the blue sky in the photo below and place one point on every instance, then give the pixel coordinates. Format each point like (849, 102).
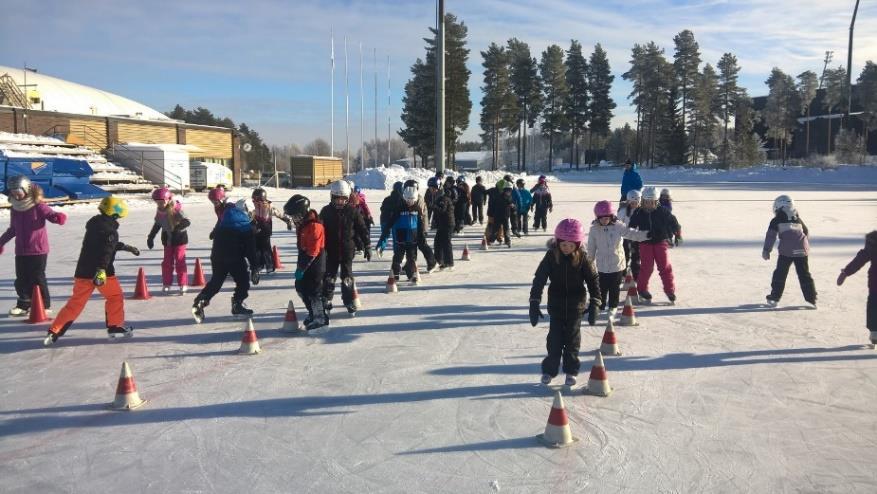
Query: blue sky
(266, 62)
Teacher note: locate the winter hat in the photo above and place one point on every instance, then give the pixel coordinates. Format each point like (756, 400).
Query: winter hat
(665, 192)
(604, 208)
(162, 194)
(650, 194)
(570, 230)
(634, 195)
(216, 194)
(785, 204)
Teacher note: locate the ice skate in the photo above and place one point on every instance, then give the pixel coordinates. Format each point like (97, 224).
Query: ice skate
(571, 380)
(672, 298)
(771, 302)
(429, 269)
(198, 310)
(238, 309)
(811, 304)
(546, 379)
(351, 309)
(645, 297)
(51, 337)
(166, 290)
(18, 312)
(415, 280)
(873, 338)
(120, 331)
(183, 289)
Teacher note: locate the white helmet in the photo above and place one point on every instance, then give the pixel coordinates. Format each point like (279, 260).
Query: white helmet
(246, 205)
(634, 195)
(650, 194)
(409, 194)
(784, 203)
(665, 192)
(340, 188)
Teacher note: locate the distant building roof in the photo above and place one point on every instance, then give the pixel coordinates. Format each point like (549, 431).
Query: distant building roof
(69, 97)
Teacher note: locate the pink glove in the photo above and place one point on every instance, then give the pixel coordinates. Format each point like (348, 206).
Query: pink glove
(60, 218)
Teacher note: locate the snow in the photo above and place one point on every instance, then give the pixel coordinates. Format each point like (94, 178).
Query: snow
(382, 178)
(434, 389)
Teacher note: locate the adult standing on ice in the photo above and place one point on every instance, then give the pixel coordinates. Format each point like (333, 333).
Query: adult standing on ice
(27, 223)
(631, 180)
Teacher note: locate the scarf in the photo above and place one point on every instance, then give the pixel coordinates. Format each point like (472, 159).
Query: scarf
(22, 205)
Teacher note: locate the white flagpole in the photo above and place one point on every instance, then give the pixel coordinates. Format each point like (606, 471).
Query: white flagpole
(376, 105)
(332, 92)
(361, 115)
(388, 110)
(346, 111)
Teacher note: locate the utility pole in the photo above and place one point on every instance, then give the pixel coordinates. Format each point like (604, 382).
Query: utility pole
(850, 70)
(440, 90)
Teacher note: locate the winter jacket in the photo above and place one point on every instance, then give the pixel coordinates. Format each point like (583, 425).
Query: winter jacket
(310, 238)
(177, 232)
(478, 194)
(523, 200)
(341, 226)
(542, 198)
(631, 180)
(443, 212)
(364, 210)
(234, 240)
(99, 246)
(659, 222)
(667, 203)
(624, 214)
(29, 229)
(389, 206)
(606, 246)
(862, 258)
(570, 285)
(263, 218)
(501, 208)
(409, 226)
(792, 234)
(465, 193)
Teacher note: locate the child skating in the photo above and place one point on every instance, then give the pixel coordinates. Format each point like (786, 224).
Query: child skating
(864, 256)
(567, 267)
(443, 213)
(172, 222)
(27, 223)
(263, 220)
(342, 222)
(95, 269)
(664, 232)
(666, 200)
(311, 265)
(542, 204)
(793, 248)
(631, 248)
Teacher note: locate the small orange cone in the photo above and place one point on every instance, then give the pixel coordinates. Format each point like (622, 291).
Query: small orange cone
(630, 286)
(198, 276)
(628, 316)
(465, 256)
(598, 382)
(610, 344)
(141, 291)
(557, 432)
(127, 397)
(277, 264)
(250, 342)
(484, 243)
(391, 283)
(290, 320)
(37, 310)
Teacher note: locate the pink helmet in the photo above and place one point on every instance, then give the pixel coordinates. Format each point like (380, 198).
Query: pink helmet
(162, 194)
(216, 194)
(571, 230)
(604, 208)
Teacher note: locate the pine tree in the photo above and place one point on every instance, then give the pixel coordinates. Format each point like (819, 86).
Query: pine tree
(867, 96)
(835, 82)
(576, 104)
(600, 84)
(781, 109)
(525, 83)
(418, 111)
(807, 86)
(636, 77)
(748, 148)
(686, 63)
(499, 107)
(703, 122)
(554, 89)
(728, 70)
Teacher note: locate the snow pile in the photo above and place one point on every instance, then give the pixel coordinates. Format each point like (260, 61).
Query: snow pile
(382, 178)
(6, 137)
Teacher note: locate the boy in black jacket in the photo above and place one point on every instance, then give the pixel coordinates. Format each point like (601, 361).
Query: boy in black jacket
(445, 222)
(342, 222)
(479, 199)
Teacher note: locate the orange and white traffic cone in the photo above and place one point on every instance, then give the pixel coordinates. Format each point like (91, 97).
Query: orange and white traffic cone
(557, 432)
(391, 283)
(276, 255)
(198, 275)
(141, 291)
(628, 315)
(290, 320)
(630, 286)
(127, 397)
(37, 309)
(598, 382)
(484, 243)
(610, 344)
(250, 342)
(465, 256)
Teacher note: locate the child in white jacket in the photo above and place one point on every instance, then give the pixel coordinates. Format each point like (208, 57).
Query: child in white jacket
(606, 249)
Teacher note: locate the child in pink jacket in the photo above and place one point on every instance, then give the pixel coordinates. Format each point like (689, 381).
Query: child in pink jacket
(172, 222)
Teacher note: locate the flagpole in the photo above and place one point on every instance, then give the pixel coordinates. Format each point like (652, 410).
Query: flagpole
(388, 111)
(376, 105)
(332, 97)
(361, 115)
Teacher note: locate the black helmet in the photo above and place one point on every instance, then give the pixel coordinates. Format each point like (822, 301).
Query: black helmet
(478, 179)
(508, 178)
(259, 194)
(520, 182)
(297, 206)
(411, 183)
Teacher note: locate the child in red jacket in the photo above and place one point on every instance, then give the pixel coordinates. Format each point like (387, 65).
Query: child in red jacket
(311, 266)
(869, 253)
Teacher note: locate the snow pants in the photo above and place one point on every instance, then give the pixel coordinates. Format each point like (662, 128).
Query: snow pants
(345, 265)
(523, 222)
(264, 255)
(778, 281)
(219, 272)
(610, 286)
(427, 252)
(478, 213)
(114, 307)
(407, 251)
(461, 215)
(631, 257)
(651, 255)
(444, 251)
(310, 287)
(563, 342)
(540, 218)
(174, 259)
(30, 271)
(871, 314)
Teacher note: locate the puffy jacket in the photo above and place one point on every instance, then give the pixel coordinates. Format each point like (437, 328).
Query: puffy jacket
(862, 258)
(501, 208)
(479, 194)
(234, 239)
(631, 180)
(792, 234)
(409, 226)
(99, 246)
(542, 198)
(177, 232)
(310, 238)
(443, 211)
(606, 246)
(659, 222)
(523, 200)
(570, 285)
(341, 226)
(624, 214)
(29, 229)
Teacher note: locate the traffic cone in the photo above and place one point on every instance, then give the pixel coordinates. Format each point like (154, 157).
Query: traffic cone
(198, 276)
(141, 291)
(37, 310)
(557, 432)
(250, 342)
(628, 316)
(290, 321)
(127, 397)
(277, 264)
(630, 286)
(484, 243)
(391, 283)
(610, 344)
(598, 382)
(465, 256)
(356, 302)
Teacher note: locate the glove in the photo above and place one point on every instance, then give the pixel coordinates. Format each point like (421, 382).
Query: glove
(382, 245)
(100, 277)
(132, 249)
(765, 255)
(367, 253)
(678, 241)
(535, 313)
(551, 209)
(288, 224)
(61, 218)
(299, 274)
(150, 242)
(208, 236)
(840, 279)
(592, 312)
(254, 277)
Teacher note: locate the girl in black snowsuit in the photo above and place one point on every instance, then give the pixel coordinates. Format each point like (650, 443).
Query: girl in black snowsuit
(443, 212)
(342, 222)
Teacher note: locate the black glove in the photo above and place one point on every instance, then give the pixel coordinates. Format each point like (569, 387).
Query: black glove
(367, 253)
(150, 242)
(254, 276)
(212, 232)
(535, 313)
(133, 250)
(288, 224)
(592, 312)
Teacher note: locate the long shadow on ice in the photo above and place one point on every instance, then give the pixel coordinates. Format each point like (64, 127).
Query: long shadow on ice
(513, 443)
(644, 310)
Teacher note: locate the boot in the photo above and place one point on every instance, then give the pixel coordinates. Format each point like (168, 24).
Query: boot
(319, 318)
(198, 310)
(239, 309)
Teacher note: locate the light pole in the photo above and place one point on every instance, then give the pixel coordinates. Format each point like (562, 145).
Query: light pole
(850, 69)
(440, 90)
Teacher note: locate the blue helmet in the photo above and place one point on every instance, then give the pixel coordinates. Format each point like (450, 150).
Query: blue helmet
(397, 187)
(357, 189)
(432, 182)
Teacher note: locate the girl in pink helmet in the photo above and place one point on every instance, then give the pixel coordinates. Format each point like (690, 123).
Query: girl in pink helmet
(606, 248)
(573, 278)
(172, 222)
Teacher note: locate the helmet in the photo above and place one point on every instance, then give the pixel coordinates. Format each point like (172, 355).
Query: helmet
(339, 188)
(649, 194)
(478, 180)
(357, 189)
(113, 206)
(409, 194)
(571, 230)
(449, 180)
(604, 208)
(397, 187)
(18, 182)
(508, 187)
(542, 179)
(260, 194)
(634, 195)
(432, 182)
(247, 206)
(784, 203)
(665, 192)
(508, 178)
(461, 179)
(411, 183)
(162, 194)
(500, 184)
(519, 182)
(297, 206)
(216, 194)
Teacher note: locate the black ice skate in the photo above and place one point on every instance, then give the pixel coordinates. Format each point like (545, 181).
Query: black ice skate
(645, 296)
(238, 309)
(351, 309)
(771, 301)
(198, 310)
(51, 337)
(120, 331)
(571, 380)
(672, 298)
